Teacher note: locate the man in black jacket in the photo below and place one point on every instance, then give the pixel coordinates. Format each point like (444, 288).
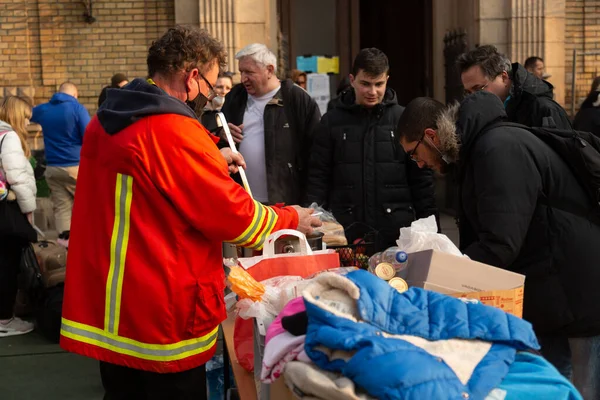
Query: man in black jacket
(357, 169)
(528, 99)
(507, 178)
(271, 122)
(588, 116)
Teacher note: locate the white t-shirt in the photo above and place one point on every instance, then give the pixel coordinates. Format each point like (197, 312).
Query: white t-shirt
(253, 145)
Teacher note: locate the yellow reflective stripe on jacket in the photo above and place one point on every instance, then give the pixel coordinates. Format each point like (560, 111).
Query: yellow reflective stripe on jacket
(262, 224)
(118, 253)
(271, 219)
(154, 352)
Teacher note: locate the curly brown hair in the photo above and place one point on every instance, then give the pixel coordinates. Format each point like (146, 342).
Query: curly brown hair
(184, 48)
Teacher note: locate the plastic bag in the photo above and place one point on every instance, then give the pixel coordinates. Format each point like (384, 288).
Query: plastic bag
(243, 343)
(244, 285)
(278, 292)
(423, 235)
(333, 231)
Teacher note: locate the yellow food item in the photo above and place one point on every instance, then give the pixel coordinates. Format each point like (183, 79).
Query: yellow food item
(244, 285)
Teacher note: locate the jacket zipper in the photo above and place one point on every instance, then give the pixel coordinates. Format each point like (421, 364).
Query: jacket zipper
(343, 158)
(393, 139)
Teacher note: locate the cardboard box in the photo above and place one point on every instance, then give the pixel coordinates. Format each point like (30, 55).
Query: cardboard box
(462, 277)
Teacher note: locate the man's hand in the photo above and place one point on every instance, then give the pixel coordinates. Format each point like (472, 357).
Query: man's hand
(30, 217)
(234, 160)
(306, 223)
(236, 132)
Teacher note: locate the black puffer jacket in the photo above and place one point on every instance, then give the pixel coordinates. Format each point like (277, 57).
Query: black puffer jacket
(588, 117)
(359, 171)
(505, 173)
(531, 100)
(290, 118)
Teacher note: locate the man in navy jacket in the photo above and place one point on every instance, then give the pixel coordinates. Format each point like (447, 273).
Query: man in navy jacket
(63, 120)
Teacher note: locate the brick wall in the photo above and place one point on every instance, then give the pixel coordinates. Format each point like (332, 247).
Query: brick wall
(582, 33)
(46, 42)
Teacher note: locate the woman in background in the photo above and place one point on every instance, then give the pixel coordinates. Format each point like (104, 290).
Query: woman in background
(17, 174)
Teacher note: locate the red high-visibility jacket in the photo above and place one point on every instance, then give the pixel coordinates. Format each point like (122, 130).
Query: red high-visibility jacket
(144, 282)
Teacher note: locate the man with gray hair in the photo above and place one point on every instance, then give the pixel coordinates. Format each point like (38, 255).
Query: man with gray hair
(271, 122)
(528, 99)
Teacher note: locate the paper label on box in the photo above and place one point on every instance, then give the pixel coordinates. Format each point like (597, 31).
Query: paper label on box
(510, 301)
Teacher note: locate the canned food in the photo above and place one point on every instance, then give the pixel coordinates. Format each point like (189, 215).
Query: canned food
(399, 284)
(385, 271)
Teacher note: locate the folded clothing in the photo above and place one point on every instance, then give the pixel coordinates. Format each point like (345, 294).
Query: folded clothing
(281, 346)
(426, 345)
(308, 382)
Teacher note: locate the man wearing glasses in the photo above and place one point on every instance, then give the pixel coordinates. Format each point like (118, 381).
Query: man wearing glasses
(145, 280)
(271, 121)
(528, 100)
(507, 179)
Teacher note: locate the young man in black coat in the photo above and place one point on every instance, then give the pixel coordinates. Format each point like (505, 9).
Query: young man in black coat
(357, 169)
(528, 99)
(507, 176)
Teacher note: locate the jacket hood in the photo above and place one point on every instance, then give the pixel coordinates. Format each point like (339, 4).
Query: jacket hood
(467, 120)
(4, 126)
(525, 82)
(137, 100)
(593, 100)
(347, 100)
(62, 98)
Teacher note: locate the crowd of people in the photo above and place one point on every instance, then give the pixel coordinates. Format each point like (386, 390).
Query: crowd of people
(156, 198)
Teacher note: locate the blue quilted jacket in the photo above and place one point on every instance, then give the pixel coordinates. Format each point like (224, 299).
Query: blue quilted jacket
(361, 346)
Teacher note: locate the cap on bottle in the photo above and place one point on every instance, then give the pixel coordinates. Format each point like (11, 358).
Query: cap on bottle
(401, 257)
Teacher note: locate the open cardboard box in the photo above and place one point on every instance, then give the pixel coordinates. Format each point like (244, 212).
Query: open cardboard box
(462, 277)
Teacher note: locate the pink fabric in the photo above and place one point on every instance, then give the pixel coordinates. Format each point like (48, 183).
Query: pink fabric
(276, 328)
(281, 349)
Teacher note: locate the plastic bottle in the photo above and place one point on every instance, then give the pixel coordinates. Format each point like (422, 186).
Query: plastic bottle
(397, 258)
(215, 378)
(373, 261)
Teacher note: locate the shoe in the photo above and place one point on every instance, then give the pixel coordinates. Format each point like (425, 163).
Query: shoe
(16, 326)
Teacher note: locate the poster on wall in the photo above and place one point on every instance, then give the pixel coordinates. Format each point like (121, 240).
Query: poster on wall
(317, 86)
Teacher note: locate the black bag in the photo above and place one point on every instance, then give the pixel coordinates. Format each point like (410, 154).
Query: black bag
(581, 152)
(30, 275)
(49, 313)
(13, 223)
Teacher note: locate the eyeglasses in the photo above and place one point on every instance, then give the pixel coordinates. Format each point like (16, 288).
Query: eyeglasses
(411, 153)
(469, 92)
(211, 91)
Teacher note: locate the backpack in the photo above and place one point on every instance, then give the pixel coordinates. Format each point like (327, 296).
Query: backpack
(581, 152)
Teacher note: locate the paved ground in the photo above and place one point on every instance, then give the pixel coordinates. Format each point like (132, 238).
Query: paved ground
(33, 369)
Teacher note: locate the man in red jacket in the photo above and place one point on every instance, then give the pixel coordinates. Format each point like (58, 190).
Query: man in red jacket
(144, 285)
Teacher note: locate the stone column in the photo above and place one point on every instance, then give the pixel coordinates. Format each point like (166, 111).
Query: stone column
(236, 23)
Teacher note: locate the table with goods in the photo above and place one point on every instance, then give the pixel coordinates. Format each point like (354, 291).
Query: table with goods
(333, 320)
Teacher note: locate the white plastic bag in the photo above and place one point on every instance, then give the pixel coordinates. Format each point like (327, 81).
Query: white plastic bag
(422, 235)
(278, 291)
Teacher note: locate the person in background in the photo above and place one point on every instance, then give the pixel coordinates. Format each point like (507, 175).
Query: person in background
(528, 99)
(222, 87)
(507, 178)
(144, 288)
(298, 77)
(116, 82)
(342, 87)
(588, 116)
(272, 122)
(63, 120)
(357, 169)
(535, 65)
(16, 171)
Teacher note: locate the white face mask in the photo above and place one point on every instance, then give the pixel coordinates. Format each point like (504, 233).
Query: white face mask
(218, 102)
